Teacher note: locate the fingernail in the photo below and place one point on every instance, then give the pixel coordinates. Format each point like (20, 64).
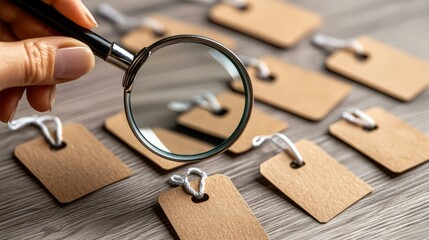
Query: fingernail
(89, 16)
(52, 98)
(72, 63)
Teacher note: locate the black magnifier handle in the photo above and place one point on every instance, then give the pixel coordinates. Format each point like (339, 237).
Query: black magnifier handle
(108, 51)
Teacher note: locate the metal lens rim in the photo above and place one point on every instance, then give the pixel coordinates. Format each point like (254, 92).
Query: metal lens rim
(143, 55)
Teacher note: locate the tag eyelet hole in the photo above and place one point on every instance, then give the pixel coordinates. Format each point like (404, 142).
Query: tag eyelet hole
(159, 34)
(362, 56)
(296, 166)
(62, 146)
(244, 8)
(222, 112)
(270, 78)
(205, 198)
(368, 129)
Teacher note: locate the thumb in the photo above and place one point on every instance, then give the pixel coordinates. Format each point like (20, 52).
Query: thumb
(43, 61)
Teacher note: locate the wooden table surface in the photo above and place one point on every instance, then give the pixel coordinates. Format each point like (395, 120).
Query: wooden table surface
(397, 209)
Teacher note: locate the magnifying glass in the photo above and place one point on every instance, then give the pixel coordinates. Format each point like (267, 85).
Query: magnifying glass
(176, 68)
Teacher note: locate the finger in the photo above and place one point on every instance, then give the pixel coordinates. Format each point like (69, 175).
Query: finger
(41, 98)
(43, 61)
(75, 10)
(9, 100)
(22, 24)
(29, 27)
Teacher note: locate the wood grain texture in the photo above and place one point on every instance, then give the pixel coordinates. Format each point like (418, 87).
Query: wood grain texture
(396, 209)
(224, 216)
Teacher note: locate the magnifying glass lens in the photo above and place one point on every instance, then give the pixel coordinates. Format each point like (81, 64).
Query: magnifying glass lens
(175, 80)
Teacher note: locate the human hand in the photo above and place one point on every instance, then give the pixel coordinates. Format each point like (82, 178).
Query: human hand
(34, 59)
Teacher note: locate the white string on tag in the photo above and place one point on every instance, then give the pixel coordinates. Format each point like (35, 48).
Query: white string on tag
(206, 100)
(179, 180)
(126, 23)
(262, 68)
(360, 118)
(39, 122)
(282, 142)
(239, 4)
(331, 43)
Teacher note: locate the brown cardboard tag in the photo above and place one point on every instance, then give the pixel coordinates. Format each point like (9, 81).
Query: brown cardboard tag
(225, 215)
(386, 69)
(305, 93)
(81, 167)
(394, 144)
(260, 123)
(322, 187)
(176, 142)
(143, 37)
(275, 22)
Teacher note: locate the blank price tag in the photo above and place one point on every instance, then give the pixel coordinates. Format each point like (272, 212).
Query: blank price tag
(307, 94)
(204, 121)
(275, 22)
(142, 37)
(386, 69)
(225, 215)
(118, 125)
(81, 167)
(394, 144)
(322, 187)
